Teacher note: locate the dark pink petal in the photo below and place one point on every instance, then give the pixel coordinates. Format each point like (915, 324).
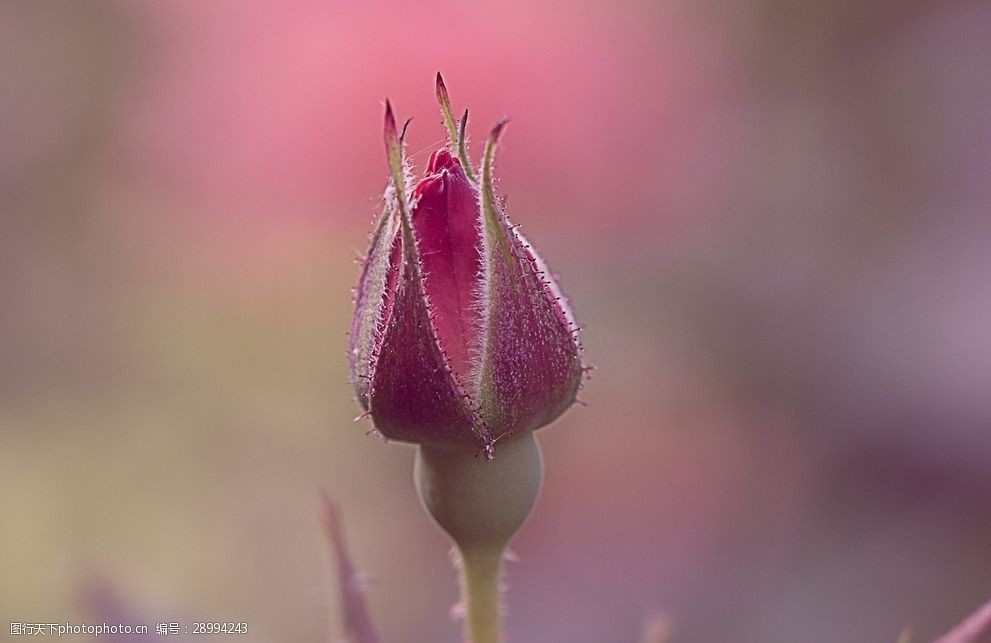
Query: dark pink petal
(414, 396)
(445, 221)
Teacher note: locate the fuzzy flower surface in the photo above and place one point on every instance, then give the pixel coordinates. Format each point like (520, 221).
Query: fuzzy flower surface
(460, 337)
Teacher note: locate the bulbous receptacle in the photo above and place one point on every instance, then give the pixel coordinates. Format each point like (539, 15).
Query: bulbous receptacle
(480, 503)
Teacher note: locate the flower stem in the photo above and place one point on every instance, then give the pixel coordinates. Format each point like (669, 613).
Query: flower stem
(483, 618)
(480, 504)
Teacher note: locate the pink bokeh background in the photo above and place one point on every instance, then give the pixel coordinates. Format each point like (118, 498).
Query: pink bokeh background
(772, 219)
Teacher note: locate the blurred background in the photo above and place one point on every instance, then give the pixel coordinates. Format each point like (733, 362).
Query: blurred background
(772, 217)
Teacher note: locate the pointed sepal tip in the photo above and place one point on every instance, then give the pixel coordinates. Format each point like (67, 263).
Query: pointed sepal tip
(390, 123)
(498, 129)
(442, 95)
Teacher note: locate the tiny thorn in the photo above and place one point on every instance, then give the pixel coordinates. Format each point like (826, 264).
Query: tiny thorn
(581, 402)
(366, 414)
(462, 127)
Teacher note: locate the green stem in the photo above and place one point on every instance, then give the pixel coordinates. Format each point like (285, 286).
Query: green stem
(483, 619)
(480, 504)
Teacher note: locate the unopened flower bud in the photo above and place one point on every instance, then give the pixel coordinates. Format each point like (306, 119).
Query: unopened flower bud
(461, 336)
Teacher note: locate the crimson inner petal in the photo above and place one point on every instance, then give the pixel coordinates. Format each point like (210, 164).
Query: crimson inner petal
(445, 219)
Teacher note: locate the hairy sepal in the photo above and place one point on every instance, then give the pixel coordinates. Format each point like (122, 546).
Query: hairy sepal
(373, 301)
(530, 360)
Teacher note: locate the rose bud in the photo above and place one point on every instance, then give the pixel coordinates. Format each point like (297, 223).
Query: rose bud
(460, 336)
